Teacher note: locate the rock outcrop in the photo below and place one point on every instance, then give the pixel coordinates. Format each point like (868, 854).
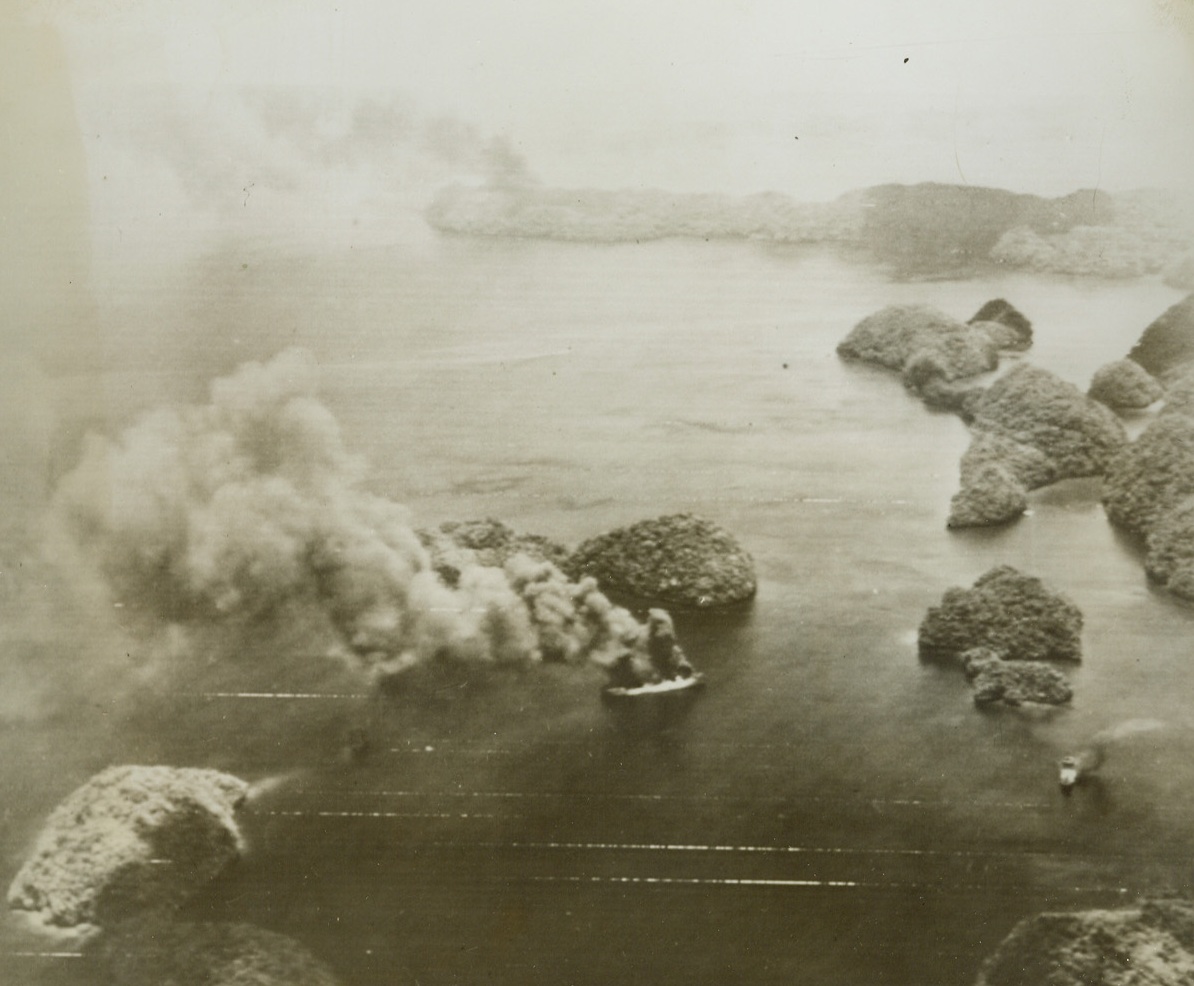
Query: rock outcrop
(1170, 557)
(923, 342)
(680, 559)
(1028, 465)
(1013, 331)
(459, 545)
(1149, 491)
(1148, 945)
(1166, 347)
(158, 952)
(989, 496)
(1013, 683)
(1036, 408)
(1124, 385)
(1030, 429)
(933, 351)
(1012, 614)
(129, 840)
(1153, 475)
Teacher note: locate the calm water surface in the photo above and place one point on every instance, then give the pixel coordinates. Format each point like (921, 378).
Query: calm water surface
(831, 811)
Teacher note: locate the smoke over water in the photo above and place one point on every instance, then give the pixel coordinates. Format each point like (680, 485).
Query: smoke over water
(1091, 757)
(250, 507)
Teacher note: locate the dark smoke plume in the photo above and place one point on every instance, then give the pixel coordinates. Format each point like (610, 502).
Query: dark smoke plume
(230, 512)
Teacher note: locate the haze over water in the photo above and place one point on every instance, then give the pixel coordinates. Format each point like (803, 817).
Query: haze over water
(832, 811)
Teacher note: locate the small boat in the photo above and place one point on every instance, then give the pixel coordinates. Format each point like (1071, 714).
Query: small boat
(1067, 772)
(662, 689)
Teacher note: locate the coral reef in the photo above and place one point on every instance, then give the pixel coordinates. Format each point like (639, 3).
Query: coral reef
(679, 558)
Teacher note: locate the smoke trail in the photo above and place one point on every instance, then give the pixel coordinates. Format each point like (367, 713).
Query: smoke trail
(1090, 758)
(233, 512)
(1129, 727)
(266, 786)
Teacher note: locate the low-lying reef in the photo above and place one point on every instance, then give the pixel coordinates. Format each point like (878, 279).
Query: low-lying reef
(131, 839)
(1000, 631)
(922, 230)
(1151, 943)
(157, 951)
(679, 559)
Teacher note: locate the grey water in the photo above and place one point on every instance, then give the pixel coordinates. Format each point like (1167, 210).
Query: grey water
(831, 811)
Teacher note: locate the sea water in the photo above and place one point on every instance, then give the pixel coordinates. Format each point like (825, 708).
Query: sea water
(831, 810)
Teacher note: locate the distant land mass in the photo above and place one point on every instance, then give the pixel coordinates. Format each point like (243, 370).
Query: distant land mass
(923, 230)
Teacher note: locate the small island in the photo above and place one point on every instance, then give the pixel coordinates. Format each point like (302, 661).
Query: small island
(131, 839)
(1030, 429)
(930, 229)
(1124, 385)
(1001, 631)
(680, 559)
(1151, 943)
(1148, 491)
(923, 342)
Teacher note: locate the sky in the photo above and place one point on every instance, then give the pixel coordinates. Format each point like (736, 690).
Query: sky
(336, 120)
